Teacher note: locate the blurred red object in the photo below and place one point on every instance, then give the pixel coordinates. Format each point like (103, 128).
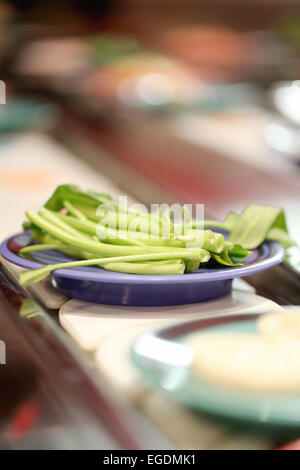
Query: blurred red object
(24, 419)
(293, 445)
(209, 45)
(211, 51)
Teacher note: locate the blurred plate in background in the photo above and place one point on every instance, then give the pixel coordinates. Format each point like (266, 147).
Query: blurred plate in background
(164, 362)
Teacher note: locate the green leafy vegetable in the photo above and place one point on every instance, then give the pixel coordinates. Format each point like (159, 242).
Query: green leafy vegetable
(73, 194)
(96, 230)
(254, 225)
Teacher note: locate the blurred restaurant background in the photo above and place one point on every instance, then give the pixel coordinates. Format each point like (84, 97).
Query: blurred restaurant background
(166, 101)
(184, 101)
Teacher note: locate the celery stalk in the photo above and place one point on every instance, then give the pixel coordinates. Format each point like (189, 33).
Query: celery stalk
(75, 212)
(210, 241)
(145, 268)
(32, 276)
(99, 248)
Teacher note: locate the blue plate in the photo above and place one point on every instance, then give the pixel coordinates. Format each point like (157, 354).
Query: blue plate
(98, 285)
(163, 360)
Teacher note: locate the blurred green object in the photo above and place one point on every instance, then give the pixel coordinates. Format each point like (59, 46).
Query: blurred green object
(289, 29)
(22, 114)
(107, 48)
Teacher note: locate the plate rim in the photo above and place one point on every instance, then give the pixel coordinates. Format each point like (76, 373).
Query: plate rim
(274, 256)
(240, 413)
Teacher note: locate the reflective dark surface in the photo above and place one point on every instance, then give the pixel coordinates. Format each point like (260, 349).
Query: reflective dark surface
(49, 399)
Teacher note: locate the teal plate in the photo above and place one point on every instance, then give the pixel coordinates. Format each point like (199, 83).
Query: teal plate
(163, 360)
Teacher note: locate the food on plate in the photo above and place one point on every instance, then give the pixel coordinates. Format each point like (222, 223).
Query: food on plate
(265, 362)
(246, 362)
(254, 225)
(97, 230)
(281, 327)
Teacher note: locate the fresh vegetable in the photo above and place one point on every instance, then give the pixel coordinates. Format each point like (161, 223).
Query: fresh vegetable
(34, 275)
(254, 225)
(97, 230)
